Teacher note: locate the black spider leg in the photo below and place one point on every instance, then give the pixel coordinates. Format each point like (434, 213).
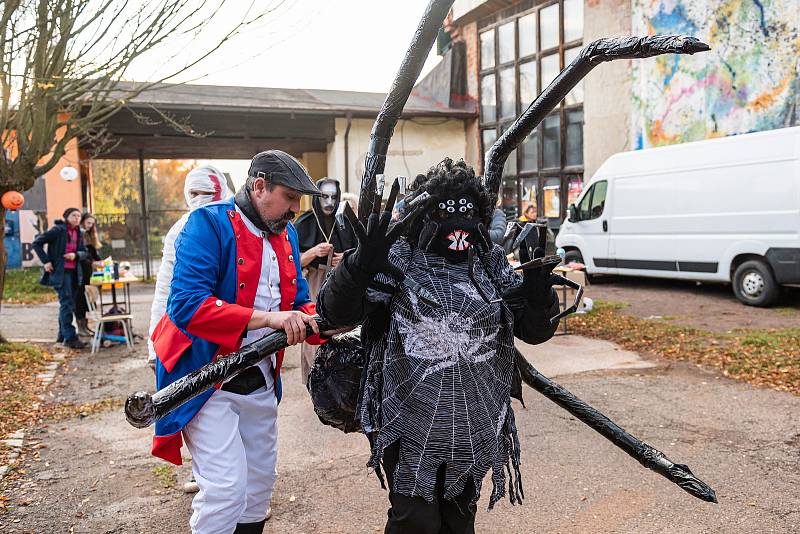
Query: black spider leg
(427, 234)
(578, 296)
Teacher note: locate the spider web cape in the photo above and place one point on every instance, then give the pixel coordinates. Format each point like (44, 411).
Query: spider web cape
(439, 380)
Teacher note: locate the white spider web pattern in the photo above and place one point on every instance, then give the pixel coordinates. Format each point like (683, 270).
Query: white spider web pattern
(440, 379)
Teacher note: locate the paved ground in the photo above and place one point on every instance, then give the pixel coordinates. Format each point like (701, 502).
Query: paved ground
(705, 306)
(95, 476)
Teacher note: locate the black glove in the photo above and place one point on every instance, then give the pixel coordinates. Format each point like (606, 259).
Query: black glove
(374, 241)
(536, 289)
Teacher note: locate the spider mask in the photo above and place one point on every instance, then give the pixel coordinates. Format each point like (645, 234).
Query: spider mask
(452, 227)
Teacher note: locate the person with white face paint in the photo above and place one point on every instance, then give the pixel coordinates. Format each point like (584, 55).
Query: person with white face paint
(322, 244)
(203, 185)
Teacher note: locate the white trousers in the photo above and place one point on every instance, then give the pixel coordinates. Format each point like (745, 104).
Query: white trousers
(233, 441)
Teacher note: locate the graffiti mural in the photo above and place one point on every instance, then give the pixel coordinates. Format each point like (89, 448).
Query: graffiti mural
(748, 82)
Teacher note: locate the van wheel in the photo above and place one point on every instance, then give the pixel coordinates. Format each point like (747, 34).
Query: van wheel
(754, 285)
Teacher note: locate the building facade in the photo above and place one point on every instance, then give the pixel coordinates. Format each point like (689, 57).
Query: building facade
(748, 82)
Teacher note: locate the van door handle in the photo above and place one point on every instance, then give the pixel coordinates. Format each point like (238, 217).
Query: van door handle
(605, 226)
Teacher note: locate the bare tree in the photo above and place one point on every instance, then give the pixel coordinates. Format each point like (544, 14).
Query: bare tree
(63, 64)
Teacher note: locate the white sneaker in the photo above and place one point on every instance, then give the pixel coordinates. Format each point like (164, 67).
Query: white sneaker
(190, 486)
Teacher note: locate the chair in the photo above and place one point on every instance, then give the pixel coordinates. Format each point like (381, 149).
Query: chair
(92, 298)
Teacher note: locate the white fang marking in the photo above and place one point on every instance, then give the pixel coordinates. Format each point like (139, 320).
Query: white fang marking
(459, 240)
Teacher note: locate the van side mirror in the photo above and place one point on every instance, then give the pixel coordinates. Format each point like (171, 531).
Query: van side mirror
(573, 213)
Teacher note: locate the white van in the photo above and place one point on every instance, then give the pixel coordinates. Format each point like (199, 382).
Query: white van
(719, 210)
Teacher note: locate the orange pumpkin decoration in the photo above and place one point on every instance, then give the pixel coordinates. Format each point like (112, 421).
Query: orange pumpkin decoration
(13, 200)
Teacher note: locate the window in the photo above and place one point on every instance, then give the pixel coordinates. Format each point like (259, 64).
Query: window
(584, 213)
(520, 55)
(510, 168)
(574, 152)
(527, 83)
(550, 69)
(551, 198)
(527, 35)
(487, 50)
(488, 103)
(593, 202)
(508, 94)
(488, 137)
(530, 151)
(551, 132)
(598, 199)
(573, 20)
(576, 95)
(505, 41)
(548, 26)
(508, 197)
(529, 189)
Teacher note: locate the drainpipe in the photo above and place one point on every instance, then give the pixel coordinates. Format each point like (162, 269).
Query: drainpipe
(347, 151)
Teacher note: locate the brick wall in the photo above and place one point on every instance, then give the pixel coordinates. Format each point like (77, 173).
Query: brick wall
(469, 34)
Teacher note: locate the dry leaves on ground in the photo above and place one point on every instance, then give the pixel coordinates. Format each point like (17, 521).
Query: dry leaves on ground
(19, 365)
(764, 357)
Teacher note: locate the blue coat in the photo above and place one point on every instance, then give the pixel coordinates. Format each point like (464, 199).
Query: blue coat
(214, 283)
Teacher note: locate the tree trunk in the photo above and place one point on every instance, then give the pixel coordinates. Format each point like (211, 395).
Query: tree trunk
(3, 258)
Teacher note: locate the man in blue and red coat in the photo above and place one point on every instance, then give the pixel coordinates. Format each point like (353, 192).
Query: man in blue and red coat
(237, 277)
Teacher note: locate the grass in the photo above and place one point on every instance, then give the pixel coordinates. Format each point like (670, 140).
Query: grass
(166, 475)
(763, 357)
(22, 287)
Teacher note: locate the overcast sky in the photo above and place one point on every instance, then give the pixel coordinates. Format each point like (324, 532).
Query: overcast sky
(322, 44)
(354, 45)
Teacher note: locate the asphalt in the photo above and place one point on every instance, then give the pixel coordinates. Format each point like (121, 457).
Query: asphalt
(95, 475)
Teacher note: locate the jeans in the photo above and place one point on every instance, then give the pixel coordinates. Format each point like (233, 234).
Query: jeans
(67, 294)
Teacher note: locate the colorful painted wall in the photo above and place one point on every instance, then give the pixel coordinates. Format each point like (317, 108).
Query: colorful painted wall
(747, 82)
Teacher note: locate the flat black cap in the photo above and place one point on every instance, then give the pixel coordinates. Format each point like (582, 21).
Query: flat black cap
(278, 167)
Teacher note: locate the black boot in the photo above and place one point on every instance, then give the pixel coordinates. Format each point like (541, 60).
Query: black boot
(250, 528)
(74, 343)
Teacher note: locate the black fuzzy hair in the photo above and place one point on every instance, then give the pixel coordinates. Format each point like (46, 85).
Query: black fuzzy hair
(447, 179)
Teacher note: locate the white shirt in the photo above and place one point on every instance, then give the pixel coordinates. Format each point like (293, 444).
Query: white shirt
(268, 294)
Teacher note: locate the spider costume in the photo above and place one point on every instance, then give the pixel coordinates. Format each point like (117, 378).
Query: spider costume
(437, 388)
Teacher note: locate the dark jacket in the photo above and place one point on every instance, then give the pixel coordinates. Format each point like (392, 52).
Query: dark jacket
(497, 228)
(86, 264)
(310, 233)
(56, 240)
